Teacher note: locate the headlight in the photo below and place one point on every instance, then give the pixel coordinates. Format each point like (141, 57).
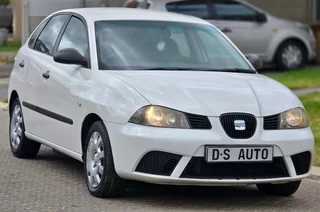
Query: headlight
(305, 28)
(157, 116)
(294, 119)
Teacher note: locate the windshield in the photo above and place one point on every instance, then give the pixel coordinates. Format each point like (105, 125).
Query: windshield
(155, 45)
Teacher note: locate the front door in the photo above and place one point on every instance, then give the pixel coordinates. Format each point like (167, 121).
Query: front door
(32, 62)
(59, 91)
(239, 22)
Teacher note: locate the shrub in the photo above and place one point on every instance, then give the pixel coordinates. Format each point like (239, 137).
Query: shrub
(4, 2)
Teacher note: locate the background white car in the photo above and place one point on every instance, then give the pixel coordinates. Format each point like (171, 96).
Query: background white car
(285, 43)
(154, 97)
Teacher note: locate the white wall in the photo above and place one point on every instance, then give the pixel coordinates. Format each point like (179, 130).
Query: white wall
(34, 11)
(46, 7)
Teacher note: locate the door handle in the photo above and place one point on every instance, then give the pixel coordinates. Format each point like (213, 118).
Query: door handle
(46, 75)
(226, 30)
(21, 64)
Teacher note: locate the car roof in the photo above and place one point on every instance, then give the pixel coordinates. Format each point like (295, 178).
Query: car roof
(103, 13)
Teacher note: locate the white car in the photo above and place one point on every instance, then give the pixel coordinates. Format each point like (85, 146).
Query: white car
(155, 97)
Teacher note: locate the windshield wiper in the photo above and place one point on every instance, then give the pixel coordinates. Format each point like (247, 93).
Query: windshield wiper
(237, 70)
(168, 69)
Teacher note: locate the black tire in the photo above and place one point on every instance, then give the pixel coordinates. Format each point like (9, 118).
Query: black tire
(281, 65)
(111, 185)
(26, 148)
(286, 189)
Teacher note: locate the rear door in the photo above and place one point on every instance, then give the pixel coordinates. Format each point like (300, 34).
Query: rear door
(59, 92)
(239, 22)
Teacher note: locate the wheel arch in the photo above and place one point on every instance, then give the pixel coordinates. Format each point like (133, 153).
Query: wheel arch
(13, 96)
(295, 39)
(86, 124)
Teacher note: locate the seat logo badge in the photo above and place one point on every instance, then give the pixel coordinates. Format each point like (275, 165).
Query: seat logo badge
(161, 46)
(240, 125)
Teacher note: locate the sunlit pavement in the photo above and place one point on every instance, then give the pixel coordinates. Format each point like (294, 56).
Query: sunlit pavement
(54, 182)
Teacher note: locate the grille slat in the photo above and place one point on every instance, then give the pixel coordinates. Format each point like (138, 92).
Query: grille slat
(271, 122)
(199, 122)
(227, 122)
(158, 163)
(199, 169)
(301, 162)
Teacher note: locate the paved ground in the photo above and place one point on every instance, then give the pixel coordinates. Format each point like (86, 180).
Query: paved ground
(53, 182)
(5, 70)
(3, 91)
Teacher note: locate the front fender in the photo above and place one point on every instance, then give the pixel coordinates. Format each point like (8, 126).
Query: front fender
(282, 36)
(109, 97)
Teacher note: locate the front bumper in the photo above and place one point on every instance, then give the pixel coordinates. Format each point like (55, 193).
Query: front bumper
(312, 49)
(131, 144)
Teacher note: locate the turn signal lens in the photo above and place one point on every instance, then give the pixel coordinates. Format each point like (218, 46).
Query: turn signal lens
(157, 116)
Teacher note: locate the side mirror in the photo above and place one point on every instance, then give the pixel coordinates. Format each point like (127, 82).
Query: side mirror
(255, 61)
(261, 18)
(70, 56)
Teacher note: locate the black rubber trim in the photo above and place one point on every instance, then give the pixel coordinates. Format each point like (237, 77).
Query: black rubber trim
(48, 113)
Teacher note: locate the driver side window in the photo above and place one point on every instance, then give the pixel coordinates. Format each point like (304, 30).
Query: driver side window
(75, 37)
(47, 39)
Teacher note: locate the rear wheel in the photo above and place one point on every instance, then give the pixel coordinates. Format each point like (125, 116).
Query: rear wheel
(286, 189)
(101, 177)
(291, 55)
(21, 146)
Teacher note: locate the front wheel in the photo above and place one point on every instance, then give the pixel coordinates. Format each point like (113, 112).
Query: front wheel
(291, 55)
(286, 189)
(21, 146)
(101, 177)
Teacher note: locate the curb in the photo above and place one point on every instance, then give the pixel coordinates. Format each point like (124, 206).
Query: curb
(306, 91)
(4, 81)
(315, 173)
(3, 106)
(5, 70)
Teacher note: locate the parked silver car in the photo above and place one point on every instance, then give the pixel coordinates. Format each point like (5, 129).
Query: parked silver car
(285, 43)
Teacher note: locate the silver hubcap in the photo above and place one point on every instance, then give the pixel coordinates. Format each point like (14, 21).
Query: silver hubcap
(292, 56)
(16, 127)
(95, 158)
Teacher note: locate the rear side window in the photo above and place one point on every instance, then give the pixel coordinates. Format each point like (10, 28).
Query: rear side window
(36, 34)
(198, 8)
(233, 11)
(47, 39)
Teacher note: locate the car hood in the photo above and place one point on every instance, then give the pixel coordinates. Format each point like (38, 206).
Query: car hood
(211, 93)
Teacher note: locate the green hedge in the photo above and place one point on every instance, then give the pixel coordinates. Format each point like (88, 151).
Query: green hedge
(4, 2)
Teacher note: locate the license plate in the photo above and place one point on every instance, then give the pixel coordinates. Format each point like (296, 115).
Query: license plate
(238, 154)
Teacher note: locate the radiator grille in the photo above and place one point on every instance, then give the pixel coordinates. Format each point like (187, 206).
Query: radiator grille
(271, 122)
(199, 122)
(199, 169)
(228, 124)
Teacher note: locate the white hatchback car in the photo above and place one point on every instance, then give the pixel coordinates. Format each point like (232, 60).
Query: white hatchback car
(154, 97)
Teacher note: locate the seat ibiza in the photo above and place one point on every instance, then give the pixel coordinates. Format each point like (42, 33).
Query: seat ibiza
(155, 97)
